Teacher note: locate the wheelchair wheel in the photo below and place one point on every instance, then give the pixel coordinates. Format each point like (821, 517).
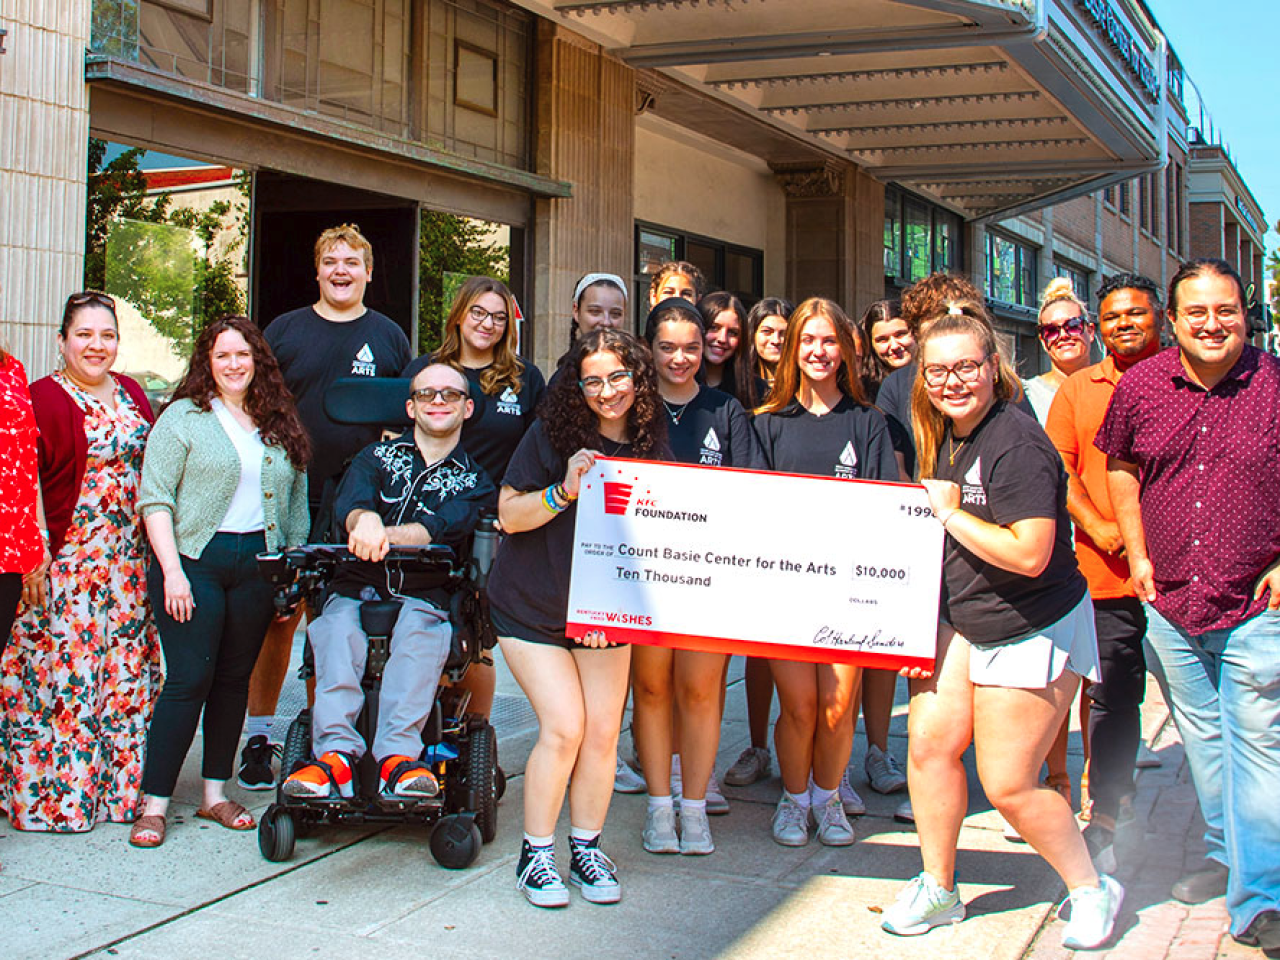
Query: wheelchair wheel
(276, 834)
(455, 841)
(499, 782)
(482, 754)
(297, 744)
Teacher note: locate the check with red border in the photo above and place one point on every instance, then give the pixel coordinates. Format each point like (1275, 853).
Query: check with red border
(763, 564)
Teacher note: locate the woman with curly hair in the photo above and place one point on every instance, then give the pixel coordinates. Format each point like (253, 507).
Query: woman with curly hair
(224, 479)
(82, 669)
(818, 422)
(605, 402)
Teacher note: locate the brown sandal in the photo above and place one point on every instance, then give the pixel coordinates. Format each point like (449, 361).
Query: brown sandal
(152, 824)
(226, 813)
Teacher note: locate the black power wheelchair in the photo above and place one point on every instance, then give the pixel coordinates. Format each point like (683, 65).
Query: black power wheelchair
(460, 748)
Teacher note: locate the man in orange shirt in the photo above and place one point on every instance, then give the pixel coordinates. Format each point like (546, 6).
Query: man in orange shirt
(1129, 326)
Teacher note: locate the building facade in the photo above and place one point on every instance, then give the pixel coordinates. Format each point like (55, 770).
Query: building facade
(788, 149)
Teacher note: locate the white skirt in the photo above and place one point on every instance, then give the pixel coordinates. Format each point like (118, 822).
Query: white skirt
(1034, 662)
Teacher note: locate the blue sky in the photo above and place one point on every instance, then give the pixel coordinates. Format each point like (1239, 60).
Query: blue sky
(1231, 50)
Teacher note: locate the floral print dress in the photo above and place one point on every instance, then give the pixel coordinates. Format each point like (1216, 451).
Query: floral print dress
(80, 675)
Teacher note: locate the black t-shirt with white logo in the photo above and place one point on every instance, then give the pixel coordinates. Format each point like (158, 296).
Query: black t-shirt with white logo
(850, 442)
(1008, 470)
(314, 352)
(493, 431)
(713, 430)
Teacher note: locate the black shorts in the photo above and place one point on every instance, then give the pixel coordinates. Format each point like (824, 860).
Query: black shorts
(506, 627)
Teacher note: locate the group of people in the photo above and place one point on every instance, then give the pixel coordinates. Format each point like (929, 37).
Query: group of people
(1142, 504)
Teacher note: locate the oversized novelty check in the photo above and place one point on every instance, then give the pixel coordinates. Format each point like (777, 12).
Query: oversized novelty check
(765, 564)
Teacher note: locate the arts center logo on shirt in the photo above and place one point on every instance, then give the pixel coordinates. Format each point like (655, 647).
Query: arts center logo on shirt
(509, 403)
(971, 488)
(363, 365)
(847, 468)
(620, 500)
(710, 455)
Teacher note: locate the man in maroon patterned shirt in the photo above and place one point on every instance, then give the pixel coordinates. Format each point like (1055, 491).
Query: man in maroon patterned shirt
(1193, 444)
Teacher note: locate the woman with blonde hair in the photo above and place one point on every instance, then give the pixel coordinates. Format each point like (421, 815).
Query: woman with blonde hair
(818, 422)
(1067, 335)
(1016, 632)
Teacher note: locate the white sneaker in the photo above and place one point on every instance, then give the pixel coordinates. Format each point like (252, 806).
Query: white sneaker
(883, 772)
(626, 779)
(833, 826)
(752, 765)
(1093, 914)
(904, 813)
(717, 805)
(922, 905)
(659, 835)
(853, 805)
(695, 833)
(790, 823)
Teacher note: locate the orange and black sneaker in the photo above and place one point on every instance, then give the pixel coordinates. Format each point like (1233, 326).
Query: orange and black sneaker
(407, 777)
(328, 777)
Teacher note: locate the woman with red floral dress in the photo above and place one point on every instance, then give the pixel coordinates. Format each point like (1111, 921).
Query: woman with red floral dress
(21, 523)
(82, 668)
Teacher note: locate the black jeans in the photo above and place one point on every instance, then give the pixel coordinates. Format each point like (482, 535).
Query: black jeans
(1115, 726)
(10, 594)
(208, 659)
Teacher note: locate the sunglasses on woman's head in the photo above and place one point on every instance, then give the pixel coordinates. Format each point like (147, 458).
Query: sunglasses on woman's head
(1050, 333)
(93, 296)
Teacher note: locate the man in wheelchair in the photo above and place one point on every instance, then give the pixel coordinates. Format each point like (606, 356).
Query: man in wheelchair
(416, 489)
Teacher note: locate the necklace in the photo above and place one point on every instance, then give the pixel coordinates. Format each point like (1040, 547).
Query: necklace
(953, 450)
(617, 445)
(676, 412)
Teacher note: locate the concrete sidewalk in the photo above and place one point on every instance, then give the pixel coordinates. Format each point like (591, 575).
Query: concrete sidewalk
(377, 892)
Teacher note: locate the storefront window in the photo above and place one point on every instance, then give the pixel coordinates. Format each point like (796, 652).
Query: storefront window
(726, 266)
(1079, 278)
(892, 234)
(1011, 270)
(918, 245)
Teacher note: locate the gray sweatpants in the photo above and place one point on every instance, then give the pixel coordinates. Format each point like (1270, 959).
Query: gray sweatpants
(419, 648)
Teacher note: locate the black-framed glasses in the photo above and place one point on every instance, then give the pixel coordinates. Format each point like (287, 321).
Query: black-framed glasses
(479, 314)
(430, 394)
(966, 371)
(594, 386)
(1051, 333)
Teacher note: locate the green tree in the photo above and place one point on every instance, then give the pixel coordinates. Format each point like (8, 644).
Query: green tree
(138, 246)
(450, 249)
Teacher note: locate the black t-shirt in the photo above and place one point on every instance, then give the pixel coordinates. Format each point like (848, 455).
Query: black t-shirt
(850, 442)
(314, 352)
(529, 581)
(1008, 470)
(713, 430)
(493, 431)
(894, 401)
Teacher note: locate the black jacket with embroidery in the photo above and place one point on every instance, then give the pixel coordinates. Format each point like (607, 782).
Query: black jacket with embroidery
(391, 478)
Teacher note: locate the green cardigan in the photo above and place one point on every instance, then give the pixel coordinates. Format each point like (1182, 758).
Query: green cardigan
(191, 469)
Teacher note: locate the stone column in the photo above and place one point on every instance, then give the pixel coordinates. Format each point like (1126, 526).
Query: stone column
(835, 233)
(585, 123)
(44, 143)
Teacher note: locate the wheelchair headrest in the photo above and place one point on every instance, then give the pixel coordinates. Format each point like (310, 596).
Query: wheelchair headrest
(368, 400)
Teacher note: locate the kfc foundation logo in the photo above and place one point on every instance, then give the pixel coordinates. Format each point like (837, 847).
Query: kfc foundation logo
(617, 497)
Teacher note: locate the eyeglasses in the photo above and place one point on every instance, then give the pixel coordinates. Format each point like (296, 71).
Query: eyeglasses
(1051, 333)
(594, 386)
(92, 296)
(479, 314)
(447, 394)
(966, 371)
(1196, 317)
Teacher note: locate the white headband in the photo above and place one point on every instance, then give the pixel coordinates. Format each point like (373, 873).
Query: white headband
(593, 278)
(953, 310)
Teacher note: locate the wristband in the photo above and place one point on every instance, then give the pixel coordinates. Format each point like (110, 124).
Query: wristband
(549, 501)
